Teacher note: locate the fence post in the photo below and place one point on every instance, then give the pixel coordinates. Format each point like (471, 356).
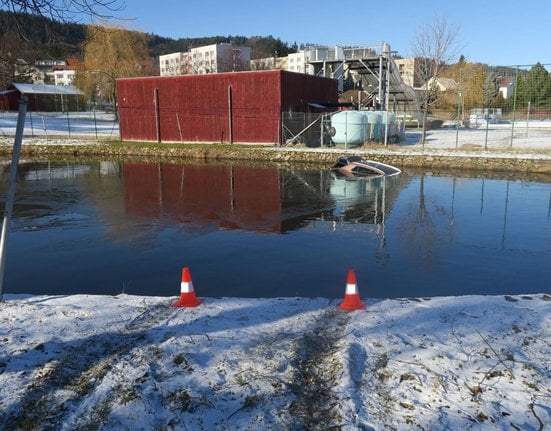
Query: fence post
(68, 122)
(514, 108)
(11, 186)
(95, 121)
(487, 117)
(458, 109)
(528, 117)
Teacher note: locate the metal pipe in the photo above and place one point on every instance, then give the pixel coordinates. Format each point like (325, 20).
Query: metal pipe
(10, 196)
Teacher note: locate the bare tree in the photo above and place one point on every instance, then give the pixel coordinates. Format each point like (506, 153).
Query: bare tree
(64, 10)
(433, 47)
(30, 29)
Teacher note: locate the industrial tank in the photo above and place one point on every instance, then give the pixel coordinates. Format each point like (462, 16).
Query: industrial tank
(373, 117)
(350, 128)
(375, 121)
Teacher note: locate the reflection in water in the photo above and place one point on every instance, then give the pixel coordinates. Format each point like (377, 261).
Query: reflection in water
(110, 227)
(268, 200)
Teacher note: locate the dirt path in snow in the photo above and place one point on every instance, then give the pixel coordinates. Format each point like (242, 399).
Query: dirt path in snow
(316, 366)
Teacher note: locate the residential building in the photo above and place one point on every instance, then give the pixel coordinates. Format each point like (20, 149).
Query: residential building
(46, 71)
(270, 63)
(406, 67)
(443, 84)
(221, 57)
(506, 87)
(64, 77)
(176, 63)
(217, 58)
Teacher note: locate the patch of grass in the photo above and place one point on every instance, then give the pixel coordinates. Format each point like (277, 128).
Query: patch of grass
(128, 396)
(180, 399)
(407, 406)
(180, 359)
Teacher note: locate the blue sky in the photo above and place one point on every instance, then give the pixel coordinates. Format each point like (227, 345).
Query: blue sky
(493, 32)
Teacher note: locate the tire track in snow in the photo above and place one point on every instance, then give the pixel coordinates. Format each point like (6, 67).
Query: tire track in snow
(315, 368)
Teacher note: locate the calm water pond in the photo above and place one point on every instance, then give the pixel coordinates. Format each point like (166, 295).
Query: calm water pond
(263, 231)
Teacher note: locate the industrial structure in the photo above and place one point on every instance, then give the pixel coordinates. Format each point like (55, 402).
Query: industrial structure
(263, 106)
(245, 107)
(374, 72)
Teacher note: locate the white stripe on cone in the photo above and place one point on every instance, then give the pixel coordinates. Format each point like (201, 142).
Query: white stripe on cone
(186, 287)
(351, 289)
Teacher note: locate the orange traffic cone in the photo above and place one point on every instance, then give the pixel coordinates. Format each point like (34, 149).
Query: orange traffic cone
(352, 299)
(187, 294)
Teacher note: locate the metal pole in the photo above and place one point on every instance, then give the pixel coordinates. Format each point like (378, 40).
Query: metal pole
(487, 116)
(321, 130)
(32, 126)
(11, 185)
(528, 117)
(95, 121)
(514, 107)
(346, 130)
(68, 120)
(458, 110)
(387, 90)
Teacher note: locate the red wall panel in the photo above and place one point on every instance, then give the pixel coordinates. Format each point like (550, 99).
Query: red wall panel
(195, 108)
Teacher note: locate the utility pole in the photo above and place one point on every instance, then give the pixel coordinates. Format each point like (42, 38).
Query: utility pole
(10, 196)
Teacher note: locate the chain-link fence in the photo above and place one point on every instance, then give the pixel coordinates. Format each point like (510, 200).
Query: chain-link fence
(93, 124)
(494, 106)
(345, 129)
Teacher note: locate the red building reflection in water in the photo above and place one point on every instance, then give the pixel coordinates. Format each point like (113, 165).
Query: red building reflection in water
(230, 197)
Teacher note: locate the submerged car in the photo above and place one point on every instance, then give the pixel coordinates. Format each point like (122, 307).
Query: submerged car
(357, 166)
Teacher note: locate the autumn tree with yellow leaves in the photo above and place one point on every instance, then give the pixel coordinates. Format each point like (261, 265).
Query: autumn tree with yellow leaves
(110, 53)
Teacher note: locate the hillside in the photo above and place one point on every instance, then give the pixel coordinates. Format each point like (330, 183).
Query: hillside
(29, 37)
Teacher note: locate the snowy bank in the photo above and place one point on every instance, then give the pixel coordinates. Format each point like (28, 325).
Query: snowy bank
(127, 362)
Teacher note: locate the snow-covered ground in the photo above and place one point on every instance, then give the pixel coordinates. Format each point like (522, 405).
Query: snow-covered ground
(43, 128)
(46, 125)
(126, 362)
(534, 135)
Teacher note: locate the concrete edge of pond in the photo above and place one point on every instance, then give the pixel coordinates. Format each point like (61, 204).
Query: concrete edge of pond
(501, 160)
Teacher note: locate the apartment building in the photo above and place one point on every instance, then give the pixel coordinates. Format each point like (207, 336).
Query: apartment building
(221, 57)
(217, 58)
(407, 67)
(176, 63)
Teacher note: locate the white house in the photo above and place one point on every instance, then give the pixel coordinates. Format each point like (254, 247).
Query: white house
(506, 87)
(64, 77)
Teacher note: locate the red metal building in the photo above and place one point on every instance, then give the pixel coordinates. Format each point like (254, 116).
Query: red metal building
(243, 107)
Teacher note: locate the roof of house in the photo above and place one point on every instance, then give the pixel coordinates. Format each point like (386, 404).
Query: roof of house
(66, 90)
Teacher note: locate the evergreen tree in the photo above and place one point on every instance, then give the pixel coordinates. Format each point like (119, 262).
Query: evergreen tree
(491, 89)
(534, 86)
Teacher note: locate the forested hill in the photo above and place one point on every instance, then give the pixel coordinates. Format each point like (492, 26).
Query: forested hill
(50, 39)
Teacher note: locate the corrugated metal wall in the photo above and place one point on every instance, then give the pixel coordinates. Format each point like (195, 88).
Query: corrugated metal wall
(195, 108)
